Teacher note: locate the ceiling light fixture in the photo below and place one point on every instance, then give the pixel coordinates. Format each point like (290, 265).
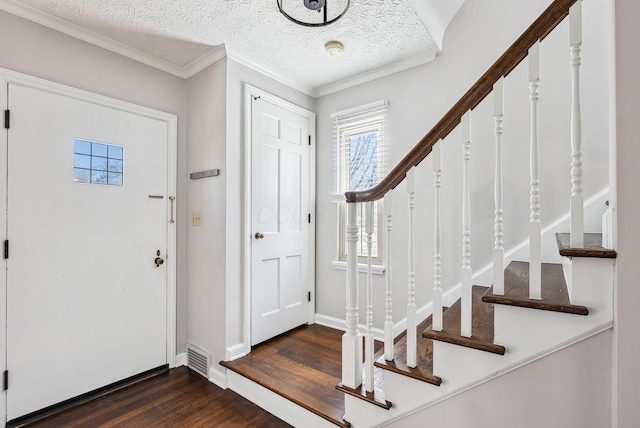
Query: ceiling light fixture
(301, 16)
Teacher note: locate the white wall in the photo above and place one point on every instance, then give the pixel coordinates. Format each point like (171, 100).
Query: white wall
(210, 270)
(237, 76)
(570, 388)
(626, 317)
(32, 49)
(419, 97)
(206, 245)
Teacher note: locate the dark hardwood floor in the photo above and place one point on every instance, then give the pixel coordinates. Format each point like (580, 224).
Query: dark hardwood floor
(179, 398)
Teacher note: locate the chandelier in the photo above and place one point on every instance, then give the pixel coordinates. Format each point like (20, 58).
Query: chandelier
(302, 14)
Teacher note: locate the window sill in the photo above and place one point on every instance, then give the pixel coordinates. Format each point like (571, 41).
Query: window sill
(362, 268)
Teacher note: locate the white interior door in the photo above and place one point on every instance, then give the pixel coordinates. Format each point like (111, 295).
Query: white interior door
(280, 200)
(86, 303)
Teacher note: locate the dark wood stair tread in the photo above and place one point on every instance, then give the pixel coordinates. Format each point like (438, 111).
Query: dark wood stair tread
(555, 296)
(377, 397)
(423, 370)
(302, 366)
(482, 328)
(592, 246)
(370, 397)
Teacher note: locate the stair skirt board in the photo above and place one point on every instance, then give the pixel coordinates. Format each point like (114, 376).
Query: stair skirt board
(275, 404)
(420, 395)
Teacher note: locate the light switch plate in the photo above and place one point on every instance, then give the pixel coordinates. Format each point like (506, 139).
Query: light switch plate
(196, 218)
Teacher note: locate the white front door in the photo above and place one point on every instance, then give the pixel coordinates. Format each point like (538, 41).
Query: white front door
(86, 303)
(280, 228)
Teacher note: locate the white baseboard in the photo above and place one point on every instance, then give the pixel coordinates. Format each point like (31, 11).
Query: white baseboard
(219, 377)
(340, 324)
(234, 352)
(448, 299)
(181, 359)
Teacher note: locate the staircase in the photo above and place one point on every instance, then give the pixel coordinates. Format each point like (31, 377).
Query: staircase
(533, 300)
(529, 310)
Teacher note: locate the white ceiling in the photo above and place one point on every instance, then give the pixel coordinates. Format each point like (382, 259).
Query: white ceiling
(182, 34)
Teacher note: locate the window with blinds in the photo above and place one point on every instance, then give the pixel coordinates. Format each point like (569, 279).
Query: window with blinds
(360, 142)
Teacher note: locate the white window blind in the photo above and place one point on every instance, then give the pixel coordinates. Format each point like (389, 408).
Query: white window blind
(360, 152)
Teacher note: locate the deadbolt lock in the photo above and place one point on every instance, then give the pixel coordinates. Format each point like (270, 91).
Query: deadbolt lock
(158, 260)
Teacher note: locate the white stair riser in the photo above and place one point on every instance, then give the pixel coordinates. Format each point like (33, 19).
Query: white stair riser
(459, 366)
(410, 394)
(591, 281)
(275, 404)
(528, 332)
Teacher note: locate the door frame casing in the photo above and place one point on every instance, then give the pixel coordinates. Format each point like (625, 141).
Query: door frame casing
(11, 77)
(249, 93)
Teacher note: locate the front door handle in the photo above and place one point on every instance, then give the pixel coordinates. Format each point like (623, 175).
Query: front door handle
(158, 260)
(259, 235)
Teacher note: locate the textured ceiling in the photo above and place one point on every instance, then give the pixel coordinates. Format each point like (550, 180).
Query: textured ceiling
(376, 33)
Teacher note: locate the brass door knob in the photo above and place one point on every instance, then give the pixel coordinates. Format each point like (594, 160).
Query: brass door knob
(158, 261)
(259, 235)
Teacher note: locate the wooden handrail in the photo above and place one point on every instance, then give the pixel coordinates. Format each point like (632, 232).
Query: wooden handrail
(513, 56)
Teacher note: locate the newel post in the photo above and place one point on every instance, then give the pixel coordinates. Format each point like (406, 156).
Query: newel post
(352, 339)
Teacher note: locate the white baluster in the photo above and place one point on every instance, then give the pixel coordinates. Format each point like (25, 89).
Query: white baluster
(577, 203)
(498, 249)
(388, 322)
(352, 340)
(465, 274)
(411, 306)
(535, 237)
(368, 340)
(436, 323)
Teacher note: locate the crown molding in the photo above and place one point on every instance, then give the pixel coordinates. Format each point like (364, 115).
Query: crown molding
(269, 71)
(203, 61)
(73, 30)
(208, 58)
(374, 74)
